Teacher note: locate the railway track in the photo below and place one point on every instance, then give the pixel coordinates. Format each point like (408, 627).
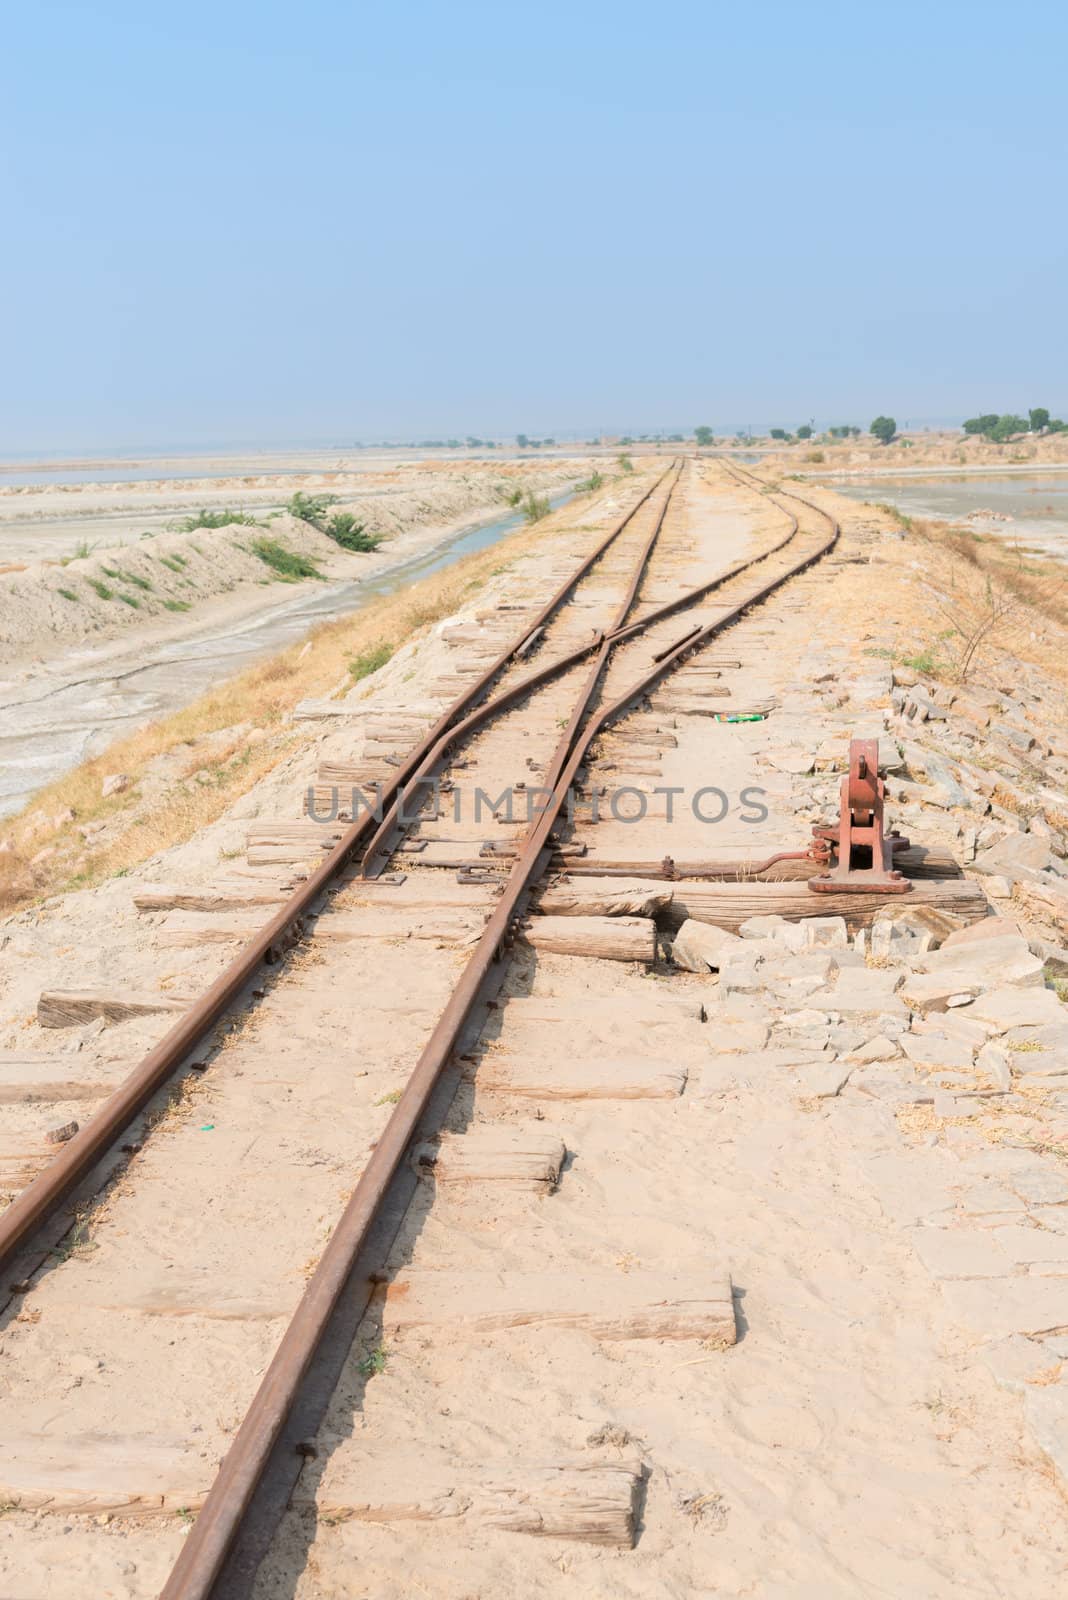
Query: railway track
(636, 614)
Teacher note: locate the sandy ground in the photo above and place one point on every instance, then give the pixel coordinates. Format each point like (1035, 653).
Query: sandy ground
(890, 1417)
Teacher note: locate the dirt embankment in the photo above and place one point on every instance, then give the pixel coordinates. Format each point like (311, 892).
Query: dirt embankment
(170, 576)
(181, 773)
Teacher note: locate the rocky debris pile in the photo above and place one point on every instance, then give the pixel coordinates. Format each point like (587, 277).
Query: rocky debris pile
(944, 1057)
(981, 770)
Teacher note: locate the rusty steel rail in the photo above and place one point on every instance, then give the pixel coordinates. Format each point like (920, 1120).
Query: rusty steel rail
(212, 1535)
(384, 840)
(77, 1158)
(385, 837)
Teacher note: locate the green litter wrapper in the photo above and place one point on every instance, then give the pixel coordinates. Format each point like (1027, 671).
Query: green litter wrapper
(740, 716)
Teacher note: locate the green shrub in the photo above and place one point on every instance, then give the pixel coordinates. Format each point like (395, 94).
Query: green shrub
(625, 463)
(215, 519)
(176, 605)
(132, 577)
(68, 594)
(350, 534)
(369, 661)
(171, 562)
(535, 506)
(310, 508)
(591, 484)
(286, 564)
(129, 600)
(101, 588)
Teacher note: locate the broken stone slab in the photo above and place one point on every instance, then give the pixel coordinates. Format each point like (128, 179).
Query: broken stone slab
(932, 1050)
(961, 1253)
(824, 933)
(1054, 957)
(753, 1069)
(791, 990)
(702, 947)
(1017, 1363)
(821, 964)
(879, 1048)
(1018, 1008)
(921, 707)
(730, 1035)
(955, 1025)
(997, 887)
(1007, 960)
(931, 992)
(1038, 1052)
(1028, 1244)
(1017, 739)
(822, 1081)
(798, 762)
(989, 928)
(864, 992)
(996, 1307)
(740, 978)
(897, 1084)
(897, 939)
(772, 928)
(995, 1063)
(1041, 1183)
(1018, 855)
(1045, 899)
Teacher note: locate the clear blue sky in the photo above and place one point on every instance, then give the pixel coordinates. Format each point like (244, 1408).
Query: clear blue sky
(282, 222)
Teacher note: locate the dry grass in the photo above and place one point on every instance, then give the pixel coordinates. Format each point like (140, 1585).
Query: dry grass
(199, 787)
(1040, 581)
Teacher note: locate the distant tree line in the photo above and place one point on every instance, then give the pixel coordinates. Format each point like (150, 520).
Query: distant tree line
(1007, 425)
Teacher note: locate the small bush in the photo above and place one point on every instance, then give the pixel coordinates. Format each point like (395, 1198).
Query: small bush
(68, 594)
(591, 484)
(215, 519)
(287, 564)
(132, 577)
(625, 464)
(110, 572)
(129, 600)
(536, 506)
(515, 498)
(82, 550)
(924, 662)
(176, 605)
(350, 534)
(172, 563)
(815, 455)
(310, 508)
(369, 661)
(101, 588)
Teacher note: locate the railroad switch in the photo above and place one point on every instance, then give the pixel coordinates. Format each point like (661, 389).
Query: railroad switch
(860, 855)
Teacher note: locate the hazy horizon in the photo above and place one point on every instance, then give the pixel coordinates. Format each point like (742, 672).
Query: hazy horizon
(166, 448)
(243, 224)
